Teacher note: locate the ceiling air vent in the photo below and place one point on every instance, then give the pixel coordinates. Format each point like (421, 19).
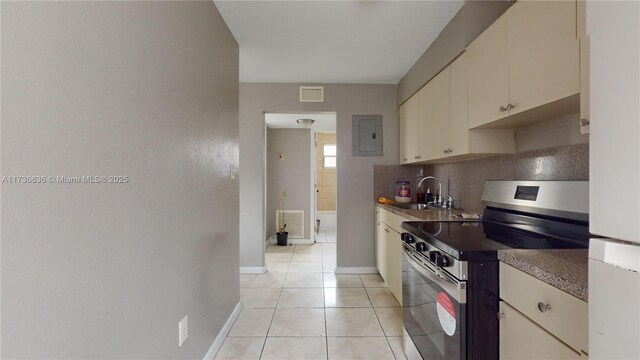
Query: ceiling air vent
(311, 93)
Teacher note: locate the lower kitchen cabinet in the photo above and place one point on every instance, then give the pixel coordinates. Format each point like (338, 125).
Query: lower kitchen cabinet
(521, 338)
(539, 321)
(394, 264)
(381, 248)
(389, 250)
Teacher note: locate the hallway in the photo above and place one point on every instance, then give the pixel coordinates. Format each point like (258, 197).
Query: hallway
(300, 309)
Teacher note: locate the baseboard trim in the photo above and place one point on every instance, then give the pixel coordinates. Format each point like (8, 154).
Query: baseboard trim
(356, 270)
(217, 343)
(253, 270)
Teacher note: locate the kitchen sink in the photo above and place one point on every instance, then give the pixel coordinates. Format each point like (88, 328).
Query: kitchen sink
(414, 206)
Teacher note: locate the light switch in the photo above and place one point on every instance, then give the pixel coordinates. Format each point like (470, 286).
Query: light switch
(183, 330)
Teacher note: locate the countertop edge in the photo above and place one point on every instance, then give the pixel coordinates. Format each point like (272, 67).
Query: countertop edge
(406, 214)
(507, 256)
(570, 287)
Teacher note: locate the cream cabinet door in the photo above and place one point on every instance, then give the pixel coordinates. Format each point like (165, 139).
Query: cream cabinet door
(543, 53)
(488, 75)
(458, 109)
(409, 117)
(381, 248)
(394, 264)
(434, 117)
(521, 338)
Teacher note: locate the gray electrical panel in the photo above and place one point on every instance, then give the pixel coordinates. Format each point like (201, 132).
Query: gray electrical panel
(366, 133)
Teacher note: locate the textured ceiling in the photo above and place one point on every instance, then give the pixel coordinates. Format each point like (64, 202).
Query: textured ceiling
(333, 41)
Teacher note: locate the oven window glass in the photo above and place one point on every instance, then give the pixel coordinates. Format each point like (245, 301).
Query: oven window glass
(429, 331)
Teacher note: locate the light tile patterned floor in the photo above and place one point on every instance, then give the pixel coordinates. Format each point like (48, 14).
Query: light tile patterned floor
(301, 310)
(327, 235)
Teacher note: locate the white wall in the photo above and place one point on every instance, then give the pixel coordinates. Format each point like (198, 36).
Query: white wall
(147, 90)
(291, 174)
(355, 174)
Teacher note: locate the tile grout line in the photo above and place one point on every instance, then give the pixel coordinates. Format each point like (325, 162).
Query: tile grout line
(274, 312)
(386, 338)
(324, 302)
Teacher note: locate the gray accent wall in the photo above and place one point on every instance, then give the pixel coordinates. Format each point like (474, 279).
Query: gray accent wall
(469, 22)
(147, 90)
(291, 174)
(355, 247)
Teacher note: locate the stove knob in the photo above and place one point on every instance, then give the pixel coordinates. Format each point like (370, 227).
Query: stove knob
(433, 255)
(407, 238)
(442, 261)
(421, 246)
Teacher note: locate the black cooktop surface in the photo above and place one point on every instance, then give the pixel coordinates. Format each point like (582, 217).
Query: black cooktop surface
(480, 241)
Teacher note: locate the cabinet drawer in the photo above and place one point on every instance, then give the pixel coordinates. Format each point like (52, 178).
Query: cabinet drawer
(566, 316)
(392, 220)
(521, 338)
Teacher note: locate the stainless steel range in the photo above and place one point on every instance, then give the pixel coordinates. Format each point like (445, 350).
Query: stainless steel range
(450, 269)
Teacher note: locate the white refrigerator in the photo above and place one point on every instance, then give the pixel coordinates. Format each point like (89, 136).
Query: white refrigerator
(613, 30)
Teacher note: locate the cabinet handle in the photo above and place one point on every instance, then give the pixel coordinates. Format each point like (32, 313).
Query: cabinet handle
(450, 151)
(386, 229)
(444, 151)
(503, 109)
(501, 315)
(419, 156)
(584, 122)
(405, 159)
(543, 307)
(511, 106)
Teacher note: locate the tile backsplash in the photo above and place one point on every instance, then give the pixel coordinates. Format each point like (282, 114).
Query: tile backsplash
(464, 180)
(385, 177)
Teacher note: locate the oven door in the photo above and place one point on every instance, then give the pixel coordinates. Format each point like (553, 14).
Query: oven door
(434, 309)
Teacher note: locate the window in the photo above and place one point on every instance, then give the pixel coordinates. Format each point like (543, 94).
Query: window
(329, 152)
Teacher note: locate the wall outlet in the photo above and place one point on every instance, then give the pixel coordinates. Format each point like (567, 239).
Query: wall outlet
(183, 330)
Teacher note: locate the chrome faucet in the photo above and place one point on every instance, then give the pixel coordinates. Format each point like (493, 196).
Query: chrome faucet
(448, 202)
(438, 201)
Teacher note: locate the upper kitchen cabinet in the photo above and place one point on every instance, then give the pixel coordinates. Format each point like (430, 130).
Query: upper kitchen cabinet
(409, 130)
(434, 117)
(525, 66)
(543, 53)
(488, 75)
(463, 142)
(443, 122)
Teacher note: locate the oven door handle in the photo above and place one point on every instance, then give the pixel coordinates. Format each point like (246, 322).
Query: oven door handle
(456, 290)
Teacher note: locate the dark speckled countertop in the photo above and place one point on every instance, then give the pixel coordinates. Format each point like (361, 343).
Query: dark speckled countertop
(565, 269)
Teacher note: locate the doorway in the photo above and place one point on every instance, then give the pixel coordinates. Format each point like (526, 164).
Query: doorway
(326, 189)
(296, 162)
